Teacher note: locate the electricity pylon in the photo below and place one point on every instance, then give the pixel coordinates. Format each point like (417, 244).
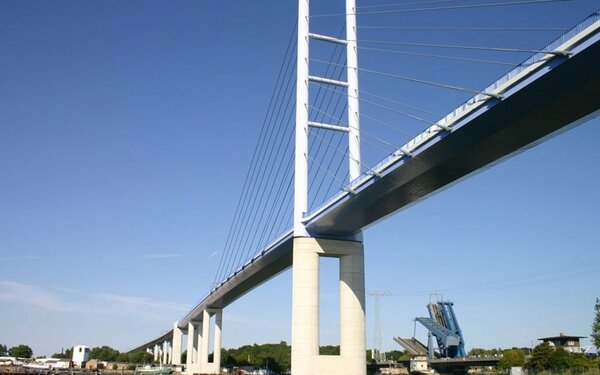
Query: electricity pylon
(377, 339)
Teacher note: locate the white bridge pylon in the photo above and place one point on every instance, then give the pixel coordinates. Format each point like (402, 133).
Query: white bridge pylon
(307, 247)
(303, 123)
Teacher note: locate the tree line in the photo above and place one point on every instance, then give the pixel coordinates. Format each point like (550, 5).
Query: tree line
(543, 357)
(108, 354)
(102, 353)
(277, 357)
(20, 351)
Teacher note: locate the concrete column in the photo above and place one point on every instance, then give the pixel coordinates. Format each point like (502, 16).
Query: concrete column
(198, 343)
(190, 345)
(352, 310)
(305, 308)
(205, 336)
(217, 341)
(164, 359)
(155, 352)
(177, 336)
(305, 305)
(170, 352)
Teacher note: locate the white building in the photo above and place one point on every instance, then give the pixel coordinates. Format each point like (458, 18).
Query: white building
(10, 361)
(81, 354)
(566, 342)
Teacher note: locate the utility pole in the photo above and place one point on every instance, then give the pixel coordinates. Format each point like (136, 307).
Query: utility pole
(377, 338)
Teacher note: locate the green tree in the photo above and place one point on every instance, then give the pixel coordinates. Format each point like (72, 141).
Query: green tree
(67, 354)
(278, 356)
(579, 362)
(478, 352)
(144, 357)
(20, 351)
(559, 359)
(104, 353)
(396, 355)
(596, 326)
(329, 350)
(3, 350)
(512, 358)
(540, 358)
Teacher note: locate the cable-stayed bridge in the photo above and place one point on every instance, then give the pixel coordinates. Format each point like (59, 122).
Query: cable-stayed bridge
(556, 88)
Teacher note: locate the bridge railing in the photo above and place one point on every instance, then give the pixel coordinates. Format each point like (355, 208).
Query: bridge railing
(566, 40)
(552, 50)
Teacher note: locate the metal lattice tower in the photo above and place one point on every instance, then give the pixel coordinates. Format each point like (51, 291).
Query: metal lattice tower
(377, 337)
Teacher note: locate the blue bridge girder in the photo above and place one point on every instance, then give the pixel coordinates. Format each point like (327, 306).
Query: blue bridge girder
(446, 339)
(443, 324)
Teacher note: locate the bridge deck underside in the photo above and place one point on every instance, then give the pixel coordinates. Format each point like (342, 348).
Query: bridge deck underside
(545, 107)
(559, 97)
(553, 102)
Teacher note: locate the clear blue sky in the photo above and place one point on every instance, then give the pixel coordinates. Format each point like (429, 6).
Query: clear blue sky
(126, 129)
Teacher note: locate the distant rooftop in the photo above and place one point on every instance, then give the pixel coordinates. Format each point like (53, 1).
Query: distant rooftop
(561, 336)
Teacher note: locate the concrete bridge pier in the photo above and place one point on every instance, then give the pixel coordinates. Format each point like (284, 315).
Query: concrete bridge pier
(214, 366)
(305, 307)
(155, 352)
(165, 352)
(192, 347)
(199, 334)
(176, 350)
(169, 351)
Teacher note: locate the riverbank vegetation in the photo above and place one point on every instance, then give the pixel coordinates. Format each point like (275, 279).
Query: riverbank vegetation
(543, 359)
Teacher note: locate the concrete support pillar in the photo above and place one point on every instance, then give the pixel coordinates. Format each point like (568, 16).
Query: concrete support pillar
(198, 343)
(305, 308)
(352, 310)
(170, 352)
(164, 358)
(205, 336)
(191, 347)
(155, 352)
(202, 335)
(217, 340)
(177, 337)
